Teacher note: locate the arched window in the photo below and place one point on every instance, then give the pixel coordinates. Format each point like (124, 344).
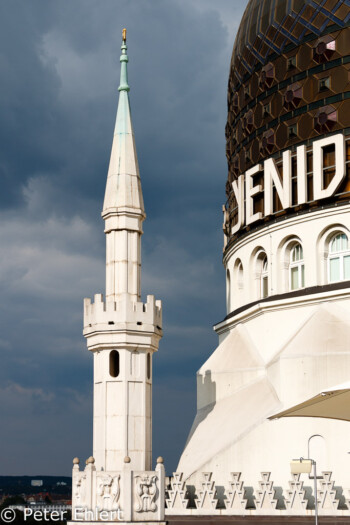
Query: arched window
(237, 285)
(339, 258)
(148, 366)
(240, 275)
(264, 279)
(114, 363)
(228, 291)
(296, 268)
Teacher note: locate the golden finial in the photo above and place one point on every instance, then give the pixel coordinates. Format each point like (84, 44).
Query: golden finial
(124, 34)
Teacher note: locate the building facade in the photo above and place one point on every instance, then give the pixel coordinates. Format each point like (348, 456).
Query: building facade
(286, 336)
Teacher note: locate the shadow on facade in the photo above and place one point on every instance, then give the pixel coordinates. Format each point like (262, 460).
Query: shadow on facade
(206, 394)
(206, 390)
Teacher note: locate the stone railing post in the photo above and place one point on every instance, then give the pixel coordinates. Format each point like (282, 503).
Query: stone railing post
(127, 491)
(161, 480)
(75, 484)
(89, 470)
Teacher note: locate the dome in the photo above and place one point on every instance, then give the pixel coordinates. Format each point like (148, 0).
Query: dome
(289, 84)
(268, 27)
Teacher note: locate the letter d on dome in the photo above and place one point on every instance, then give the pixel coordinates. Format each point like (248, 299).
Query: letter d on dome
(318, 145)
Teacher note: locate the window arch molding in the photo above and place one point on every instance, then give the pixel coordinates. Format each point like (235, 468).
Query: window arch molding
(259, 269)
(238, 274)
(323, 249)
(285, 249)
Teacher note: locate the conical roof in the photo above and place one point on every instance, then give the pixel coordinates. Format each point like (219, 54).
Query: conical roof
(123, 189)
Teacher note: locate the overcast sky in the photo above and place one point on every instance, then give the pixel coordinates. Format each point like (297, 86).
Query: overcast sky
(59, 70)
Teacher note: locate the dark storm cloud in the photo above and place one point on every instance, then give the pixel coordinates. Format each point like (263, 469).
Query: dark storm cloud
(59, 70)
(28, 96)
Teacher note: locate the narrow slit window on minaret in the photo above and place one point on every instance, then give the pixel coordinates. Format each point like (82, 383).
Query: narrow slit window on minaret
(148, 366)
(114, 363)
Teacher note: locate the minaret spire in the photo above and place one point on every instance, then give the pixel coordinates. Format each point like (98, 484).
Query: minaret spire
(122, 332)
(123, 208)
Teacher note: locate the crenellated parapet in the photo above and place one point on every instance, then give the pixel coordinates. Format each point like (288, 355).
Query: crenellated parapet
(113, 317)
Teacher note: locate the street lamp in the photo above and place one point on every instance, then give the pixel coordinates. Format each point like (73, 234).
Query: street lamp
(304, 466)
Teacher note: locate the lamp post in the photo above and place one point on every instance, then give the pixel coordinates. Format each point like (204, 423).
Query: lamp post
(304, 466)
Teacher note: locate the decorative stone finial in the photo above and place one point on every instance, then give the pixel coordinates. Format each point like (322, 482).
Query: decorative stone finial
(124, 86)
(127, 459)
(160, 459)
(91, 460)
(76, 461)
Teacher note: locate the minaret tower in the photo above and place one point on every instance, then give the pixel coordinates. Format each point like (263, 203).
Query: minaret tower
(122, 332)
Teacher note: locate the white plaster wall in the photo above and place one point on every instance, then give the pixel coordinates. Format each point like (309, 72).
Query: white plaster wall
(273, 355)
(310, 229)
(272, 445)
